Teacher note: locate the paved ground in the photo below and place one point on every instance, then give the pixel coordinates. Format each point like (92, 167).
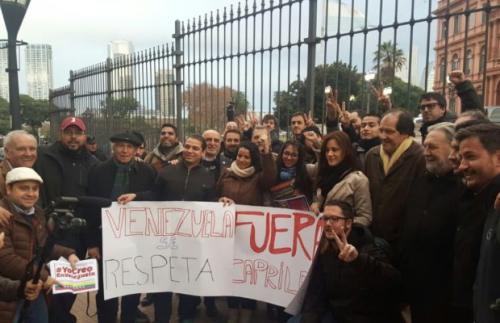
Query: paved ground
(80, 307)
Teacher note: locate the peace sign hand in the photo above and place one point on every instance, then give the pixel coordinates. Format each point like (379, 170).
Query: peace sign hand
(347, 252)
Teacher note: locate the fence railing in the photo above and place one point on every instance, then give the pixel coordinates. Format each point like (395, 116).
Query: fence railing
(278, 56)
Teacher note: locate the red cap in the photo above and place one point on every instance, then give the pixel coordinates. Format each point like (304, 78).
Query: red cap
(73, 121)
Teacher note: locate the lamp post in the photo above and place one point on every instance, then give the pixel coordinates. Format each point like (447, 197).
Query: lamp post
(13, 14)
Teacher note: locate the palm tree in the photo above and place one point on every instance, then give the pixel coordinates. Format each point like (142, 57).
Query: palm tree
(391, 59)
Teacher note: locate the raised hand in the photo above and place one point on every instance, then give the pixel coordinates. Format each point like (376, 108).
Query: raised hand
(383, 99)
(456, 77)
(347, 252)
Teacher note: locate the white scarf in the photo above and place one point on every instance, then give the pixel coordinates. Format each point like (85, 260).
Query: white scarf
(243, 173)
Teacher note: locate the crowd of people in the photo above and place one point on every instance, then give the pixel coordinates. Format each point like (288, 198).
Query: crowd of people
(411, 229)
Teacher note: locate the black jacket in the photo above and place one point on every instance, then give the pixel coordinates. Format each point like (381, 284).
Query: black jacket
(473, 210)
(178, 183)
(363, 291)
(468, 96)
(101, 178)
(65, 173)
(487, 284)
(426, 245)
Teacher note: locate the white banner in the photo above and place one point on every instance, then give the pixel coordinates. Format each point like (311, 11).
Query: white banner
(205, 249)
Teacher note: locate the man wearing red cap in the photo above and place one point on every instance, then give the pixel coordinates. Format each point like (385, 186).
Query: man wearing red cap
(64, 167)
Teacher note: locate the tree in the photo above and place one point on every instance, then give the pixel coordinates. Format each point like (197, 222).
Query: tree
(338, 75)
(119, 108)
(206, 105)
(34, 112)
(4, 116)
(390, 61)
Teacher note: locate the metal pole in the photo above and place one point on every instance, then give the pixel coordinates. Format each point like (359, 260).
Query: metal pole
(311, 56)
(178, 76)
(15, 104)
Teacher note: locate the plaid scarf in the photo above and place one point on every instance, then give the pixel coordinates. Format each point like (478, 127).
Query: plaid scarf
(121, 182)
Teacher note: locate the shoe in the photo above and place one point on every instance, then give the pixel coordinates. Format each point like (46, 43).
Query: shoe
(147, 300)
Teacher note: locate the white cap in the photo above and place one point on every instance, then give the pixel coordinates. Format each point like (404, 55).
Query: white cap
(20, 174)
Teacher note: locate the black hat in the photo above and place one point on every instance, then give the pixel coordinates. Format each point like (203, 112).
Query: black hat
(126, 136)
(90, 140)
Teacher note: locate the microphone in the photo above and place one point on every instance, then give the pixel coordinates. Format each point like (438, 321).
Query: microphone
(86, 201)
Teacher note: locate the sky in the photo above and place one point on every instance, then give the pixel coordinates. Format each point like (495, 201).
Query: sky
(79, 31)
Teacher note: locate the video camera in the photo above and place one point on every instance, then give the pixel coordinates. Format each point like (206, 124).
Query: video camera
(60, 214)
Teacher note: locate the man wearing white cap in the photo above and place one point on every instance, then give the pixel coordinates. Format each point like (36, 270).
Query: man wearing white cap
(25, 236)
(64, 167)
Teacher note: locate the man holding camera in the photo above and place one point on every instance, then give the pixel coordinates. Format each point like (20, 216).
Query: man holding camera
(64, 167)
(25, 236)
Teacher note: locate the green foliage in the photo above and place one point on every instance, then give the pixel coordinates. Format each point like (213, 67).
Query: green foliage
(401, 99)
(4, 116)
(119, 107)
(33, 112)
(337, 75)
(391, 60)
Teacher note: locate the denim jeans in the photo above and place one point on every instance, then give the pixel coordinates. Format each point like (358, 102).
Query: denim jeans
(36, 312)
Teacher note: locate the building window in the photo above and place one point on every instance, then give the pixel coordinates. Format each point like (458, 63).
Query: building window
(444, 30)
(456, 24)
(455, 63)
(442, 70)
(482, 59)
(468, 62)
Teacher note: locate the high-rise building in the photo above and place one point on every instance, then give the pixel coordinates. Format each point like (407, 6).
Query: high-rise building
(430, 77)
(164, 92)
(38, 70)
(4, 76)
(122, 81)
(476, 60)
(415, 71)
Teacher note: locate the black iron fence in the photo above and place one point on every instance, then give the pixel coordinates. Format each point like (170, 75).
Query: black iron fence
(278, 56)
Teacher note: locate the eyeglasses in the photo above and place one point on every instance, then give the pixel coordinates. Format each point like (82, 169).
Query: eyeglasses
(293, 155)
(428, 106)
(332, 219)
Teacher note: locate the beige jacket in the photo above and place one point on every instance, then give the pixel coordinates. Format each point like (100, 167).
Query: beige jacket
(354, 189)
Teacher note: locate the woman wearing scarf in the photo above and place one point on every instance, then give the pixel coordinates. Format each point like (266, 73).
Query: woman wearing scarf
(245, 182)
(339, 178)
(293, 179)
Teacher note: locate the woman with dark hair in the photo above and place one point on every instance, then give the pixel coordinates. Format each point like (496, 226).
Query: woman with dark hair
(245, 182)
(339, 177)
(292, 179)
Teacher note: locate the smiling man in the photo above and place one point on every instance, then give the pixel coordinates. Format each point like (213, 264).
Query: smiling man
(168, 149)
(477, 247)
(428, 230)
(64, 167)
(392, 168)
(352, 279)
(118, 175)
(20, 151)
(188, 180)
